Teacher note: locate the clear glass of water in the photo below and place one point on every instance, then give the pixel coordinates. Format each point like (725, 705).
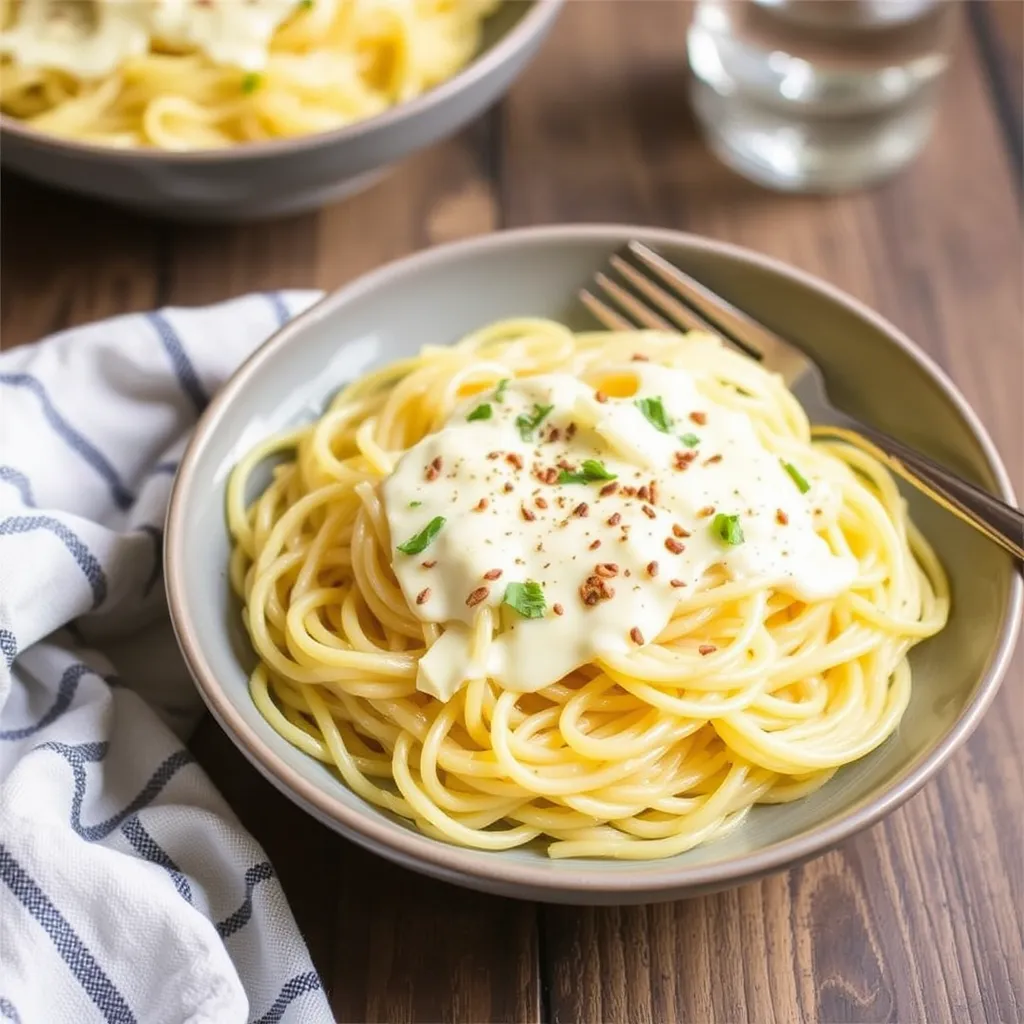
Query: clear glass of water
(819, 95)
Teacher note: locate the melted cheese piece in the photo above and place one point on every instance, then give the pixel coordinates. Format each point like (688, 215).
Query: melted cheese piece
(93, 38)
(499, 516)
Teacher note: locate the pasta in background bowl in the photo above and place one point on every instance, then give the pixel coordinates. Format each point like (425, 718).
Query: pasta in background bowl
(229, 110)
(452, 292)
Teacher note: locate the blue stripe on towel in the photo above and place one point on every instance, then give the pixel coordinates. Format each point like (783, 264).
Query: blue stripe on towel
(79, 755)
(72, 950)
(156, 535)
(280, 309)
(87, 561)
(240, 918)
(8, 1012)
(182, 365)
(65, 695)
(72, 438)
(147, 848)
(8, 646)
(297, 986)
(17, 479)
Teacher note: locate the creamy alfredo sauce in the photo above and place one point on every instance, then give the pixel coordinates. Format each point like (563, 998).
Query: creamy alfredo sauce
(612, 557)
(92, 38)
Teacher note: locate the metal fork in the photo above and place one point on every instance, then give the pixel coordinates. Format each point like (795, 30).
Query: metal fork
(675, 301)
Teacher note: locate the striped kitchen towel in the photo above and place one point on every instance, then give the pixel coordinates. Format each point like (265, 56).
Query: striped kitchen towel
(128, 890)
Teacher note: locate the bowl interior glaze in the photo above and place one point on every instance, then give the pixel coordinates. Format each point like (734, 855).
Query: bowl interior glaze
(436, 297)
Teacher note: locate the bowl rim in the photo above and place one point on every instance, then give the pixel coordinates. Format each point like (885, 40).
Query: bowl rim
(535, 23)
(482, 869)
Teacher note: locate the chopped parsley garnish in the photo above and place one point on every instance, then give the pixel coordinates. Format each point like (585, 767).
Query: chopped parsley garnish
(251, 81)
(655, 413)
(727, 528)
(305, 5)
(528, 423)
(798, 478)
(690, 440)
(414, 545)
(588, 473)
(481, 412)
(526, 598)
(499, 391)
(415, 504)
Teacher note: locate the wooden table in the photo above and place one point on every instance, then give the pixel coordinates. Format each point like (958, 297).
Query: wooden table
(917, 920)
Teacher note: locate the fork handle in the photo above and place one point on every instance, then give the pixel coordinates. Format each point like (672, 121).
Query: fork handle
(999, 521)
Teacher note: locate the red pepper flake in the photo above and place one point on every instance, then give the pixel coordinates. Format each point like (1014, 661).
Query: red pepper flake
(629, 492)
(492, 574)
(481, 505)
(595, 545)
(550, 475)
(652, 568)
(639, 357)
(780, 517)
(676, 583)
(558, 609)
(595, 589)
(636, 636)
(706, 649)
(423, 596)
(707, 510)
(528, 514)
(508, 488)
(430, 564)
(570, 431)
(652, 489)
(581, 510)
(514, 459)
(712, 460)
(644, 494)
(608, 489)
(674, 546)
(494, 455)
(683, 459)
(477, 596)
(699, 418)
(600, 396)
(434, 469)
(614, 519)
(607, 570)
(565, 464)
(678, 531)
(649, 512)
(540, 502)
(555, 434)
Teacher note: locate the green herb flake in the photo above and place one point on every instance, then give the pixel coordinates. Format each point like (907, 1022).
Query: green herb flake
(415, 504)
(499, 391)
(727, 528)
(798, 478)
(655, 413)
(481, 412)
(305, 5)
(414, 545)
(690, 440)
(526, 598)
(528, 423)
(590, 472)
(251, 81)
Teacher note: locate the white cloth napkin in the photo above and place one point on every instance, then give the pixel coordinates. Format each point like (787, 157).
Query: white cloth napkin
(128, 889)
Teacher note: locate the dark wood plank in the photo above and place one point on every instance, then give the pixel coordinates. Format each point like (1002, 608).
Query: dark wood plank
(999, 27)
(917, 919)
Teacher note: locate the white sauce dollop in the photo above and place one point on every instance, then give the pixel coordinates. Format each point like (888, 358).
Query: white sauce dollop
(93, 38)
(502, 517)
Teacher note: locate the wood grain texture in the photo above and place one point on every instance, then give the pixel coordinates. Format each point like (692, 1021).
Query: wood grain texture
(918, 920)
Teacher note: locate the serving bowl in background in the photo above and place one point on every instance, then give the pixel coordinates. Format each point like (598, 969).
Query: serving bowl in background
(438, 296)
(256, 180)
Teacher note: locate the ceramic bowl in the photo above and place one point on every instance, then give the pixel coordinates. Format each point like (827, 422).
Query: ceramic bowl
(257, 180)
(436, 297)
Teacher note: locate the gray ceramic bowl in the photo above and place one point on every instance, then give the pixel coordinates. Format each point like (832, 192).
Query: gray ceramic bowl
(439, 295)
(266, 179)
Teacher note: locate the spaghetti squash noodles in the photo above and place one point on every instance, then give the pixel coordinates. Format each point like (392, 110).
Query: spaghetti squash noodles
(596, 590)
(200, 74)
